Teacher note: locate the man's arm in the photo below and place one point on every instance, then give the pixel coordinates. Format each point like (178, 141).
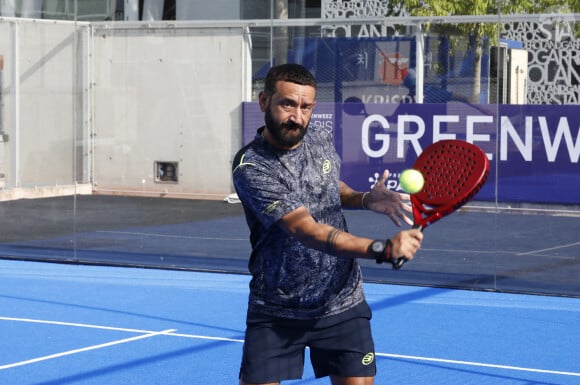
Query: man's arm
(301, 225)
(351, 199)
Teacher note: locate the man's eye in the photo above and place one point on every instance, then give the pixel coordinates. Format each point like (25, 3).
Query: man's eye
(291, 106)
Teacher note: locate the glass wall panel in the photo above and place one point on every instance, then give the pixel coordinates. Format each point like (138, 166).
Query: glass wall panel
(116, 138)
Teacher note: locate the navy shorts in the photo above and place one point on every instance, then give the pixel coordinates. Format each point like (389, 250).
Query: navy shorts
(340, 345)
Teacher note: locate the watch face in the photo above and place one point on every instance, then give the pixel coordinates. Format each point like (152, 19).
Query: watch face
(378, 247)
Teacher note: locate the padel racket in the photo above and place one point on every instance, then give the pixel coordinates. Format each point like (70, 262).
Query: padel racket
(454, 171)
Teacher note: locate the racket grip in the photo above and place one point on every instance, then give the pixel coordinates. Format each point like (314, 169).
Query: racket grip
(399, 262)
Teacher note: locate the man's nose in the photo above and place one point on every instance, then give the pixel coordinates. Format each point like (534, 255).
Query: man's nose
(297, 115)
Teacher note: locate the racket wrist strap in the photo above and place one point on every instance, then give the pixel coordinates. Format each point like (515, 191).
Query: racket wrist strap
(388, 250)
(386, 254)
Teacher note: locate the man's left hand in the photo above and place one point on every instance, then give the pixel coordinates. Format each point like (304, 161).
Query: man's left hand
(382, 200)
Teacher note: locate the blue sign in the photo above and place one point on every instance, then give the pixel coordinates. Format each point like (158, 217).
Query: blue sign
(534, 150)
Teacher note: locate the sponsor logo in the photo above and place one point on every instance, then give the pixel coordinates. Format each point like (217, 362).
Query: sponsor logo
(368, 359)
(326, 166)
(270, 209)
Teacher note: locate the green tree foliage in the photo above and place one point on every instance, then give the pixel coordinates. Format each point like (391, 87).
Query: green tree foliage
(477, 31)
(489, 7)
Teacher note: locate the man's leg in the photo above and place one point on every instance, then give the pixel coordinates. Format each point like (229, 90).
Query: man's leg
(352, 380)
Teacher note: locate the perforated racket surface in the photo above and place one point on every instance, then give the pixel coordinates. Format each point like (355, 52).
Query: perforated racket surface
(454, 172)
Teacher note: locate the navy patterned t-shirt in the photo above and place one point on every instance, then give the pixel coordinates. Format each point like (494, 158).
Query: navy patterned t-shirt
(288, 279)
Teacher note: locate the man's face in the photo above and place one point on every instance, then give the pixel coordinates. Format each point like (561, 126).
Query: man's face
(287, 113)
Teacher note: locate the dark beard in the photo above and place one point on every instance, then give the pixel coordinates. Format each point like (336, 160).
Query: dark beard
(279, 131)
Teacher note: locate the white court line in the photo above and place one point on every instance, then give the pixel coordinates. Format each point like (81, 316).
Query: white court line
(170, 332)
(86, 349)
(75, 324)
(480, 364)
(171, 236)
(205, 337)
(550, 248)
(140, 331)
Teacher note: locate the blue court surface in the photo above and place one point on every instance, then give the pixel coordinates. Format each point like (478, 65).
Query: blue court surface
(74, 324)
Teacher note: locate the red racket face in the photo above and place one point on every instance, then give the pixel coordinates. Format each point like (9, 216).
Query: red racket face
(454, 172)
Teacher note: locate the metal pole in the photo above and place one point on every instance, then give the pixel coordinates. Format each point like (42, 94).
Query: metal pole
(15, 136)
(419, 64)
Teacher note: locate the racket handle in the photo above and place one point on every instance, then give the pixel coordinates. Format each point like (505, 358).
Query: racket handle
(399, 262)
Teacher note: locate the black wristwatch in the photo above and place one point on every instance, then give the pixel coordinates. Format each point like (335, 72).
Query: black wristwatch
(382, 250)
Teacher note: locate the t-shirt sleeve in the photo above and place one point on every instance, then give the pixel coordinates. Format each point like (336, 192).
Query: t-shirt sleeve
(264, 192)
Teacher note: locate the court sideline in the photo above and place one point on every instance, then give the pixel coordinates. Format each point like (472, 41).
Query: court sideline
(74, 324)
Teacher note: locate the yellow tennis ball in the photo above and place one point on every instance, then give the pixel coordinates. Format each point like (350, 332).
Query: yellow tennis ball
(411, 181)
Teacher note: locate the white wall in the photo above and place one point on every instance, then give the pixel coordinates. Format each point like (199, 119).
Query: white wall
(41, 95)
(168, 95)
(100, 103)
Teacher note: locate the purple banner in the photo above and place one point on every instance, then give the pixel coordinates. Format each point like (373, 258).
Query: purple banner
(534, 150)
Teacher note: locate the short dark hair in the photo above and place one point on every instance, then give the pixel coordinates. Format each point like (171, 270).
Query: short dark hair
(294, 73)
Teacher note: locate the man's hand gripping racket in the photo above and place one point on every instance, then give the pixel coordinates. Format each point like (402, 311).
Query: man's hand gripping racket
(454, 172)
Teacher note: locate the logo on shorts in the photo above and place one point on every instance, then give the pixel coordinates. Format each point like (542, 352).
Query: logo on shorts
(368, 359)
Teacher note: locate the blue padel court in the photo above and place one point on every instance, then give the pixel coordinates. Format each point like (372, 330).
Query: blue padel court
(70, 324)
(153, 291)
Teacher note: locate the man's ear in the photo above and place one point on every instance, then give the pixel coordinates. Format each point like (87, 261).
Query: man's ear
(263, 99)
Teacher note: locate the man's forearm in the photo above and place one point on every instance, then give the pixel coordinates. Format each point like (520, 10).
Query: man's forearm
(351, 199)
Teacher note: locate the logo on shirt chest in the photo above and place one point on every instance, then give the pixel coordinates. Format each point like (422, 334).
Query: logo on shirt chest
(326, 166)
